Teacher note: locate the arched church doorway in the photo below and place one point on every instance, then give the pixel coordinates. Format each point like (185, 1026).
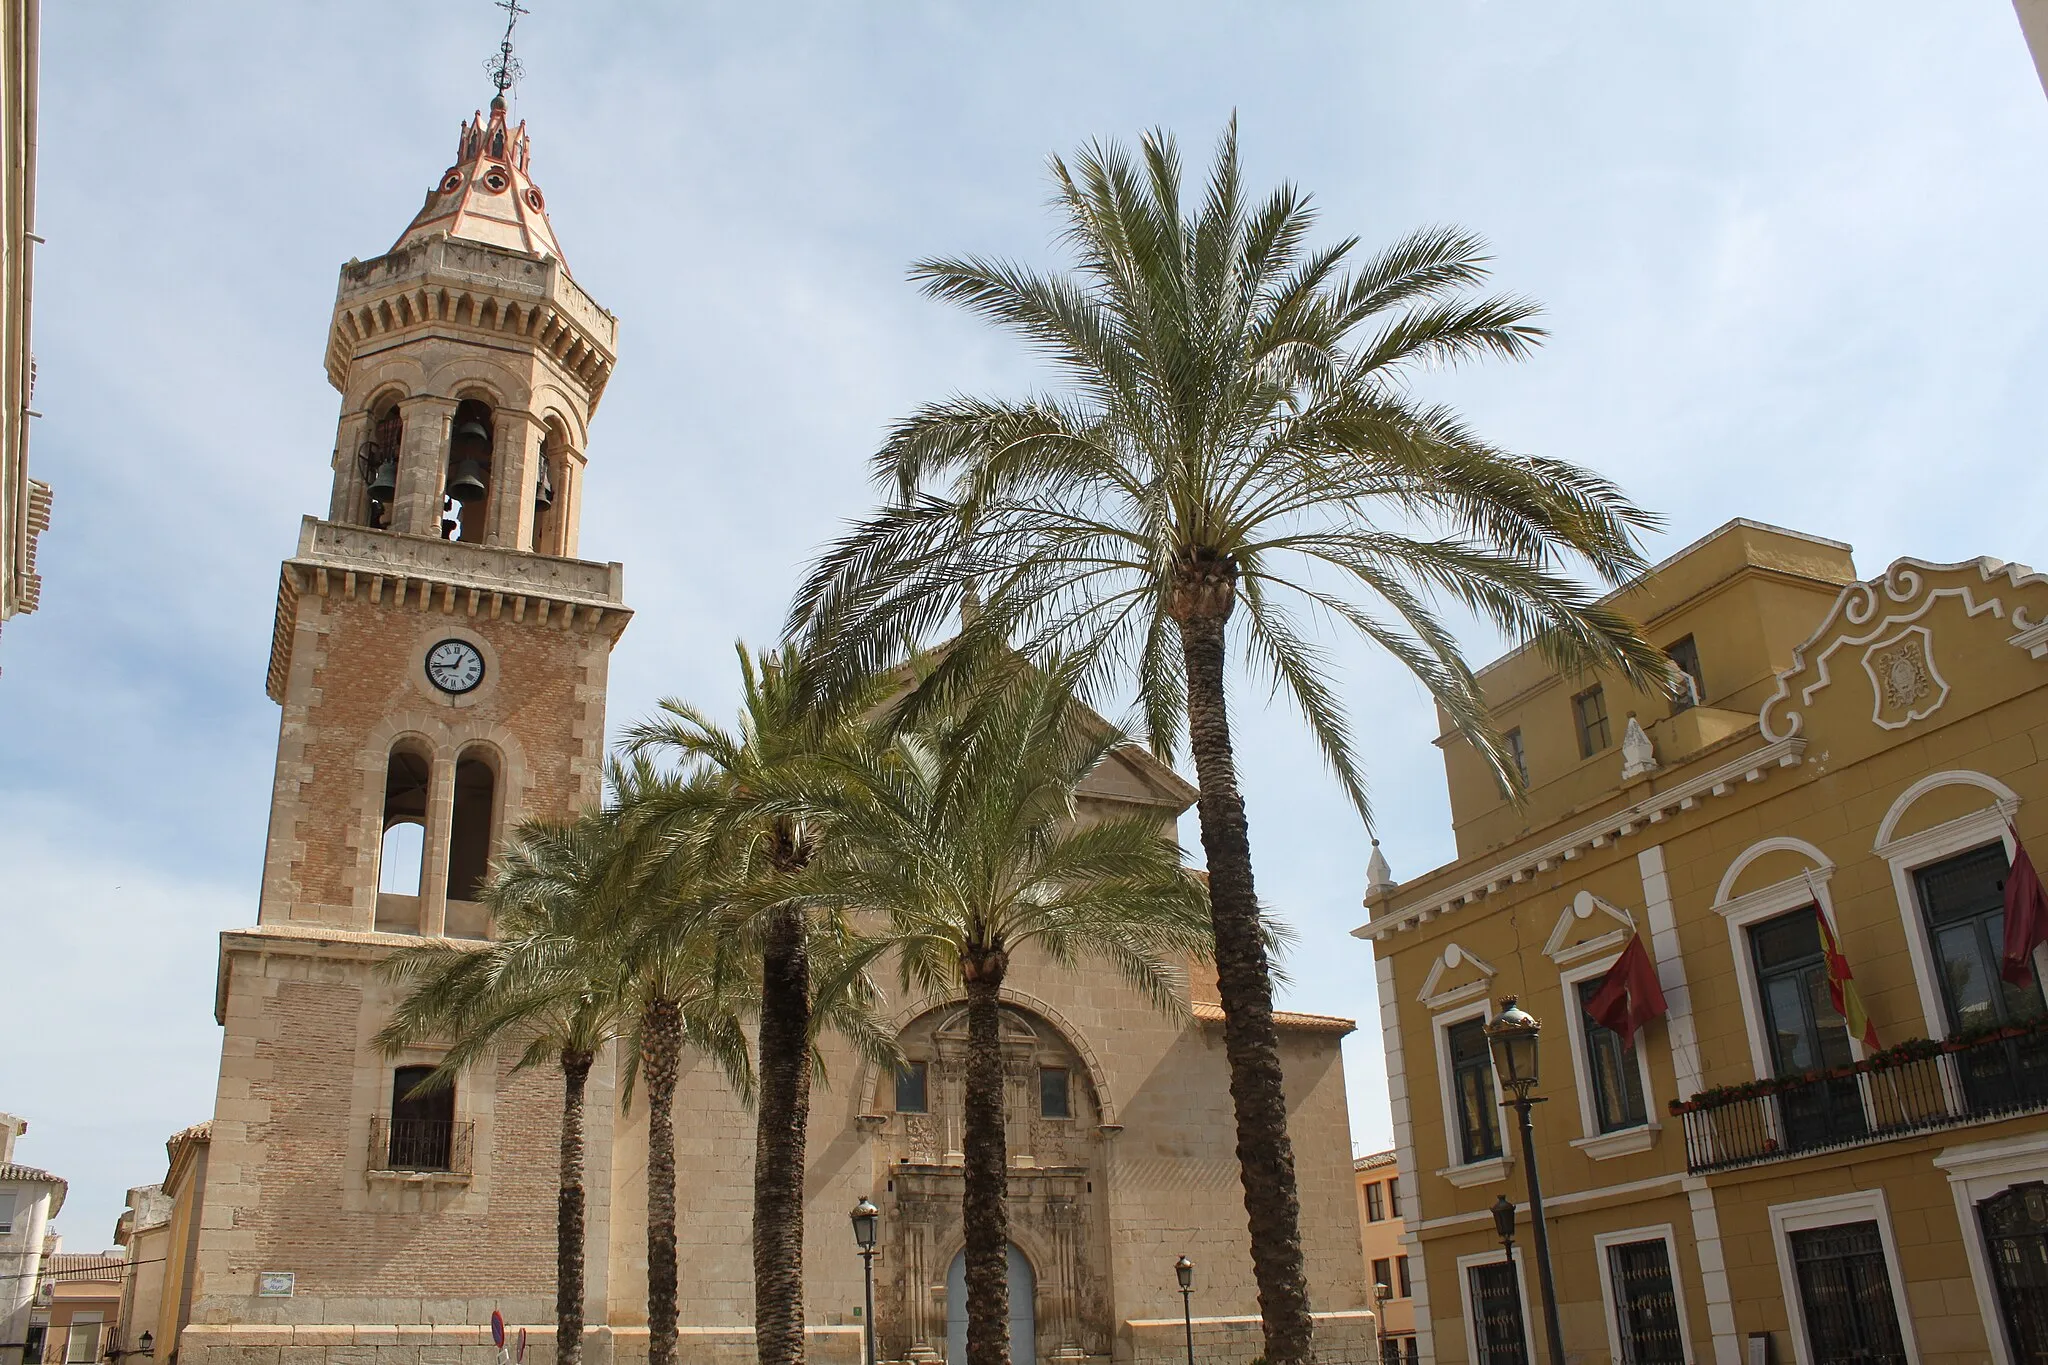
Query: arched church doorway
(1023, 1310)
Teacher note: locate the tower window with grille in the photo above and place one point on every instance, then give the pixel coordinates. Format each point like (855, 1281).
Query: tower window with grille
(1845, 1294)
(1472, 1084)
(422, 1122)
(1589, 710)
(1645, 1303)
(913, 1088)
(1497, 1315)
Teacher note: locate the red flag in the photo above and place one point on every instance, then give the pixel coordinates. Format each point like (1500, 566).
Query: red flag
(1629, 996)
(2026, 916)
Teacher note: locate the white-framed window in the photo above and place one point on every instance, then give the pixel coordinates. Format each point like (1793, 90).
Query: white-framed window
(1617, 1104)
(82, 1339)
(1475, 1136)
(1981, 1173)
(1838, 1265)
(1907, 855)
(1640, 1285)
(1496, 1303)
(1745, 912)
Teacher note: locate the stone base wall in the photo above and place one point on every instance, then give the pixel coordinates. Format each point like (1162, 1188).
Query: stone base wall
(404, 1344)
(1341, 1339)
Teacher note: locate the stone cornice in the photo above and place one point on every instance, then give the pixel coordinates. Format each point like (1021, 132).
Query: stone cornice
(1611, 828)
(358, 563)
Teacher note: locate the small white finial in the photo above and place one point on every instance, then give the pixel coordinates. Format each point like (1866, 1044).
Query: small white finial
(1638, 755)
(1379, 878)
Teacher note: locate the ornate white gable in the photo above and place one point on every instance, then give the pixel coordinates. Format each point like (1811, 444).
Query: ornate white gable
(1588, 926)
(1438, 993)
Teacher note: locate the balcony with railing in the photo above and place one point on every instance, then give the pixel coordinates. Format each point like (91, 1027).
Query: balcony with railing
(419, 1147)
(1916, 1087)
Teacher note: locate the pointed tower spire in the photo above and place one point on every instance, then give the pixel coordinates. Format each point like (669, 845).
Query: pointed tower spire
(488, 195)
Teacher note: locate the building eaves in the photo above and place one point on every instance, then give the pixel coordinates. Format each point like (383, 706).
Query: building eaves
(12, 1174)
(1288, 1019)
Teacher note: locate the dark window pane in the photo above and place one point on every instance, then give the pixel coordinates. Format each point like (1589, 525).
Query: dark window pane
(1394, 1196)
(1375, 1204)
(1472, 1082)
(1054, 1101)
(422, 1123)
(910, 1088)
(1963, 901)
(1402, 1286)
(1589, 709)
(1617, 1076)
(1686, 655)
(1383, 1273)
(1845, 1295)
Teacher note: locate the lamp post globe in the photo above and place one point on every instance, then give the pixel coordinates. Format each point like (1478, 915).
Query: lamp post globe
(867, 1219)
(1184, 1271)
(1511, 1037)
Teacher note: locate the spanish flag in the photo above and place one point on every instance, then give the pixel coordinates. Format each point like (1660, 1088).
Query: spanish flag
(1842, 992)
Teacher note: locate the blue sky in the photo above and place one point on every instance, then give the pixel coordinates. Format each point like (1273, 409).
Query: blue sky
(1792, 258)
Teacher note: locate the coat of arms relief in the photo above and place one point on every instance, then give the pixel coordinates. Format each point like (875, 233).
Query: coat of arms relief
(1906, 684)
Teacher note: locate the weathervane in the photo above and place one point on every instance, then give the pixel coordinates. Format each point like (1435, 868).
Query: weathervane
(504, 68)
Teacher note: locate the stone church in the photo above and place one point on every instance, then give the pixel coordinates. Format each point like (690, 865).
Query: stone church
(440, 657)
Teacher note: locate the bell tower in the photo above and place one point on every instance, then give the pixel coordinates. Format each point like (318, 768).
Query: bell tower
(440, 656)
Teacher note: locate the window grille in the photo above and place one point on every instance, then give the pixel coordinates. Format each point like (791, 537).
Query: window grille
(1845, 1295)
(1497, 1315)
(1646, 1304)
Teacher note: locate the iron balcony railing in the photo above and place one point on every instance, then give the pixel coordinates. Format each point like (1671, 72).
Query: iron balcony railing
(419, 1145)
(1912, 1088)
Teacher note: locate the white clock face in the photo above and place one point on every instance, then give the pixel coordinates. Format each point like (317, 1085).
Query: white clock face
(455, 667)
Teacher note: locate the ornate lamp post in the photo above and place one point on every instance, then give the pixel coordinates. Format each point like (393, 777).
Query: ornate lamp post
(1381, 1292)
(1184, 1271)
(866, 1221)
(1512, 1038)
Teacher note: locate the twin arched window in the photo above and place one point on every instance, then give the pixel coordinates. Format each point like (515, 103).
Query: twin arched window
(409, 898)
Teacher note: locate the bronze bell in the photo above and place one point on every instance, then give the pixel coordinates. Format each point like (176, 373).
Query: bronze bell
(384, 481)
(544, 488)
(466, 481)
(472, 431)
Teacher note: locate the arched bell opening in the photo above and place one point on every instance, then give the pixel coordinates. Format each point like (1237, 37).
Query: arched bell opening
(470, 831)
(377, 463)
(549, 484)
(466, 497)
(401, 852)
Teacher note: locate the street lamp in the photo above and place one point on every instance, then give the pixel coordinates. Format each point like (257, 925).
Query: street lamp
(1381, 1292)
(1512, 1038)
(866, 1220)
(1184, 1271)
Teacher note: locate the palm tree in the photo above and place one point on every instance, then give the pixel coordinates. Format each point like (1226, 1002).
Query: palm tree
(748, 809)
(1237, 429)
(963, 841)
(551, 977)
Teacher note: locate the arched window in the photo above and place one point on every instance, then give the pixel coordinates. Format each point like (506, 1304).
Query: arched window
(402, 847)
(466, 498)
(377, 461)
(469, 840)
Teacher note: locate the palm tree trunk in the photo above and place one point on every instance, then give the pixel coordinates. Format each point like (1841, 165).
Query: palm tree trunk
(661, 1045)
(781, 1121)
(569, 1203)
(985, 1206)
(1265, 1154)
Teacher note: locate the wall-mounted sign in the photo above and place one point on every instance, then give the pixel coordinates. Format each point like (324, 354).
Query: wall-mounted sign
(276, 1284)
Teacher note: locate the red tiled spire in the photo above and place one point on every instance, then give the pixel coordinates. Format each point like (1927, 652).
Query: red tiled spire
(486, 195)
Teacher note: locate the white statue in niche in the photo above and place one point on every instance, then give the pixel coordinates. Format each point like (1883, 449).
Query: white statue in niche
(1638, 755)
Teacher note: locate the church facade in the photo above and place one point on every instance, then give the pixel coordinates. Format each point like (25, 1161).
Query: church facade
(440, 657)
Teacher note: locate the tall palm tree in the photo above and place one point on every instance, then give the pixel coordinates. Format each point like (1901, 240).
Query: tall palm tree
(964, 848)
(748, 811)
(1237, 428)
(552, 978)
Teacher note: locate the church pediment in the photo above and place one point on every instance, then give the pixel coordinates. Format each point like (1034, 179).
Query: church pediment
(1588, 926)
(1891, 652)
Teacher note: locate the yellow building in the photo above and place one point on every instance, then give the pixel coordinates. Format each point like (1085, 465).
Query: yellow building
(1745, 1169)
(1388, 1275)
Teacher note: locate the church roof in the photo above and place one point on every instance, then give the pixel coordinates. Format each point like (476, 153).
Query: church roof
(486, 196)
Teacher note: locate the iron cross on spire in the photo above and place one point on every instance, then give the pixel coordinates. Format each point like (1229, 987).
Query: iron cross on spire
(504, 68)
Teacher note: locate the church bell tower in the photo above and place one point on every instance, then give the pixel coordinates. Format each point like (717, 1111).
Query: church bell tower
(440, 656)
